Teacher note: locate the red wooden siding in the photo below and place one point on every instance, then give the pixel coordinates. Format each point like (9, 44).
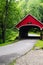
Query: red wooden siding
(29, 20)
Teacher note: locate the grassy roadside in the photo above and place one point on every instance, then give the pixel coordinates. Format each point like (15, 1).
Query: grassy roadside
(13, 63)
(11, 36)
(9, 42)
(39, 44)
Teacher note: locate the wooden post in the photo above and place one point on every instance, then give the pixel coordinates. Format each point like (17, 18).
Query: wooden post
(41, 35)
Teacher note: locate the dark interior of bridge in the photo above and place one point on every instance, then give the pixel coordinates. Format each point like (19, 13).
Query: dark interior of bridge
(24, 31)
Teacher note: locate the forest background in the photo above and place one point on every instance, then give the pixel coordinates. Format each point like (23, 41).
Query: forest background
(12, 12)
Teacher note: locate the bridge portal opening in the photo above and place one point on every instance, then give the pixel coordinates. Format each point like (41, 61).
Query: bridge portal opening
(30, 32)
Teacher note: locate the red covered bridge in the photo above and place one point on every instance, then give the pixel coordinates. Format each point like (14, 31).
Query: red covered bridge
(28, 22)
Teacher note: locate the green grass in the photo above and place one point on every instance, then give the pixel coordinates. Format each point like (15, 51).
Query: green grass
(9, 42)
(39, 44)
(13, 63)
(38, 33)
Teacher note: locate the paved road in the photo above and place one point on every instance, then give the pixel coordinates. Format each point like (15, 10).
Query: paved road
(12, 51)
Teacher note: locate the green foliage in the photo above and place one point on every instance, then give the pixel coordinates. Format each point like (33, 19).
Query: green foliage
(2, 7)
(16, 11)
(13, 13)
(41, 11)
(11, 35)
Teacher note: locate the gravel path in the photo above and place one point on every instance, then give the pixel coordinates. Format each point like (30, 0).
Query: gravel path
(34, 57)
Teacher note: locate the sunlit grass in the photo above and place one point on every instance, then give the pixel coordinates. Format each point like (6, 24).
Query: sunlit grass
(39, 44)
(13, 63)
(38, 33)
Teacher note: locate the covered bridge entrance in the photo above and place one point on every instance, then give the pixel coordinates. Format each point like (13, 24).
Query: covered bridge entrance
(29, 22)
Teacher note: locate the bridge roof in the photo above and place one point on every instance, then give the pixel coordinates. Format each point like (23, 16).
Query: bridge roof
(29, 20)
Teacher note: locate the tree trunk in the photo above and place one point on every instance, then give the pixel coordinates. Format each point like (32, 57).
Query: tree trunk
(4, 23)
(3, 33)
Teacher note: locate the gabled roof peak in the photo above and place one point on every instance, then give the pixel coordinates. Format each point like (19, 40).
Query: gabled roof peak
(29, 19)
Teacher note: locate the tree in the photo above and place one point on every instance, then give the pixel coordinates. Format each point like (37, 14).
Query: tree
(12, 11)
(41, 11)
(2, 11)
(4, 22)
